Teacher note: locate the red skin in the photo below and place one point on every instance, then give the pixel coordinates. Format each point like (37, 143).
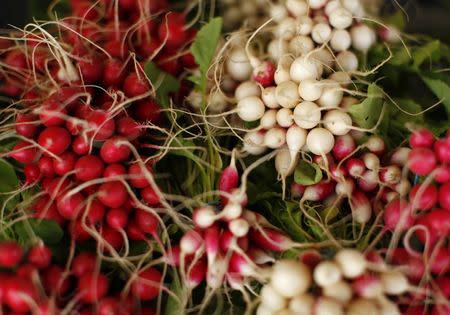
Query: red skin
(128, 128)
(80, 146)
(112, 151)
(96, 212)
(147, 111)
(137, 178)
(117, 218)
(444, 196)
(421, 161)
(112, 194)
(149, 195)
(428, 198)
(32, 173)
(25, 125)
(147, 222)
(421, 138)
(112, 237)
(147, 285)
(113, 73)
(65, 164)
(55, 139)
(54, 279)
(135, 85)
(13, 295)
(40, 256)
(10, 254)
(92, 287)
(101, 124)
(24, 152)
(89, 167)
(83, 263)
(52, 113)
(114, 170)
(69, 207)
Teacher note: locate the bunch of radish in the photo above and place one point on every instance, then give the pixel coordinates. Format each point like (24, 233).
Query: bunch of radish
(249, 14)
(31, 283)
(349, 284)
(296, 94)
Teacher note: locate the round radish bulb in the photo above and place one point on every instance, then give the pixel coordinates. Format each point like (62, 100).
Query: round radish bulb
(421, 161)
(344, 79)
(376, 145)
(282, 75)
(295, 138)
(340, 18)
(54, 139)
(421, 138)
(320, 141)
(269, 120)
(347, 61)
(363, 37)
(442, 150)
(272, 299)
(442, 174)
(277, 48)
(286, 29)
(307, 115)
(247, 89)
(391, 175)
(10, 254)
(238, 65)
(147, 285)
(239, 227)
(300, 45)
(337, 122)
(444, 196)
(269, 97)
(352, 263)
(254, 142)
(264, 310)
(92, 287)
(362, 306)
(278, 12)
(397, 216)
(321, 33)
(284, 162)
(191, 242)
(217, 102)
(204, 217)
(368, 286)
(325, 58)
(344, 146)
(389, 308)
(340, 291)
(310, 90)
(112, 194)
(275, 138)
(424, 198)
(287, 94)
(297, 8)
(340, 40)
(394, 282)
(326, 273)
(302, 304)
(317, 4)
(250, 108)
(327, 306)
(331, 6)
(304, 25)
(345, 187)
(305, 68)
(290, 278)
(285, 118)
(332, 94)
(264, 73)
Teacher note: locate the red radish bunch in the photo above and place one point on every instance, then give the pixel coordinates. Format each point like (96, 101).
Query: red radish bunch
(32, 284)
(344, 285)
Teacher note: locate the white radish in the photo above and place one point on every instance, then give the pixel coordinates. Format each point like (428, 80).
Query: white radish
(343, 78)
(325, 58)
(320, 18)
(403, 187)
(231, 211)
(269, 120)
(345, 187)
(394, 282)
(204, 217)
(287, 95)
(285, 117)
(254, 142)
(375, 144)
(340, 18)
(190, 242)
(269, 97)
(348, 101)
(327, 273)
(250, 108)
(305, 68)
(331, 6)
(246, 89)
(277, 48)
(286, 29)
(290, 278)
(389, 308)
(304, 25)
(296, 138)
(302, 304)
(337, 122)
(275, 138)
(265, 310)
(362, 307)
(284, 164)
(363, 37)
(341, 291)
(272, 299)
(321, 33)
(310, 90)
(332, 94)
(278, 12)
(300, 45)
(217, 102)
(307, 115)
(352, 263)
(400, 156)
(371, 161)
(239, 227)
(328, 306)
(238, 65)
(347, 61)
(320, 141)
(297, 8)
(353, 6)
(369, 181)
(340, 40)
(317, 4)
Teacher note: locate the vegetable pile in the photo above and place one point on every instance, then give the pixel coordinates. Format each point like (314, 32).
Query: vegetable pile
(254, 157)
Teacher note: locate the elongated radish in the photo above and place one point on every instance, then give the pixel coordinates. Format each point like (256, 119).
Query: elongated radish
(319, 191)
(295, 139)
(343, 146)
(191, 242)
(400, 156)
(270, 239)
(361, 207)
(398, 216)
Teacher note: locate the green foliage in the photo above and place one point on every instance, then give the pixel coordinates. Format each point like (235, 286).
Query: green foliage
(307, 173)
(47, 230)
(367, 113)
(164, 83)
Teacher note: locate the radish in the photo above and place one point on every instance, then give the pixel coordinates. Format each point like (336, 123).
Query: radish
(269, 119)
(398, 216)
(343, 147)
(304, 25)
(337, 122)
(54, 139)
(316, 4)
(424, 197)
(343, 77)
(284, 163)
(319, 191)
(300, 45)
(270, 239)
(264, 73)
(421, 161)
(444, 196)
(325, 58)
(352, 263)
(363, 37)
(272, 299)
(371, 161)
(284, 117)
(347, 61)
(331, 6)
(277, 48)
(250, 108)
(362, 306)
(340, 40)
(326, 273)
(191, 242)
(332, 94)
(287, 95)
(297, 8)
(275, 138)
(303, 68)
(295, 139)
(442, 174)
(376, 145)
(269, 97)
(320, 141)
(328, 306)
(307, 115)
(400, 156)
(286, 29)
(321, 33)
(390, 175)
(442, 150)
(290, 278)
(239, 227)
(345, 187)
(310, 90)
(147, 285)
(340, 291)
(361, 207)
(394, 282)
(302, 304)
(247, 89)
(92, 287)
(340, 18)
(368, 286)
(10, 254)
(241, 265)
(254, 142)
(238, 65)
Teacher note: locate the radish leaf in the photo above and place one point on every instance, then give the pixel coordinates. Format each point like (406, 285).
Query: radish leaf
(307, 173)
(163, 82)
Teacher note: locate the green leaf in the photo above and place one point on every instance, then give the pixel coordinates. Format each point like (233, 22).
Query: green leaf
(9, 180)
(397, 19)
(204, 46)
(440, 88)
(367, 113)
(428, 51)
(164, 83)
(307, 173)
(47, 230)
(173, 306)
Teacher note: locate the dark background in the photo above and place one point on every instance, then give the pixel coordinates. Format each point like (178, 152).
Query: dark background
(425, 16)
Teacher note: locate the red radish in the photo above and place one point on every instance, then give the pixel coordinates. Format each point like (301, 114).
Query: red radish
(69, 207)
(54, 280)
(95, 212)
(355, 167)
(440, 261)
(18, 294)
(51, 113)
(444, 196)
(398, 216)
(319, 191)
(196, 273)
(172, 32)
(10, 254)
(343, 147)
(241, 265)
(437, 223)
(32, 173)
(113, 151)
(117, 218)
(204, 217)
(444, 285)
(368, 286)
(147, 111)
(45, 164)
(54, 139)
(442, 150)
(264, 73)
(421, 138)
(297, 190)
(414, 266)
(26, 125)
(101, 125)
(128, 128)
(88, 167)
(427, 198)
(112, 237)
(134, 232)
(441, 309)
(229, 178)
(113, 73)
(40, 256)
(80, 146)
(112, 194)
(368, 181)
(442, 174)
(227, 238)
(133, 85)
(92, 287)
(361, 207)
(191, 242)
(270, 239)
(150, 196)
(421, 161)
(147, 221)
(390, 175)
(173, 256)
(64, 164)
(137, 178)
(212, 238)
(114, 171)
(24, 152)
(147, 285)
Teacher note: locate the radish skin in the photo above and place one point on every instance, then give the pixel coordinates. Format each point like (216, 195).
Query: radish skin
(290, 278)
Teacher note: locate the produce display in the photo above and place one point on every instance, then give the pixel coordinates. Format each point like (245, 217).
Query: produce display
(282, 157)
